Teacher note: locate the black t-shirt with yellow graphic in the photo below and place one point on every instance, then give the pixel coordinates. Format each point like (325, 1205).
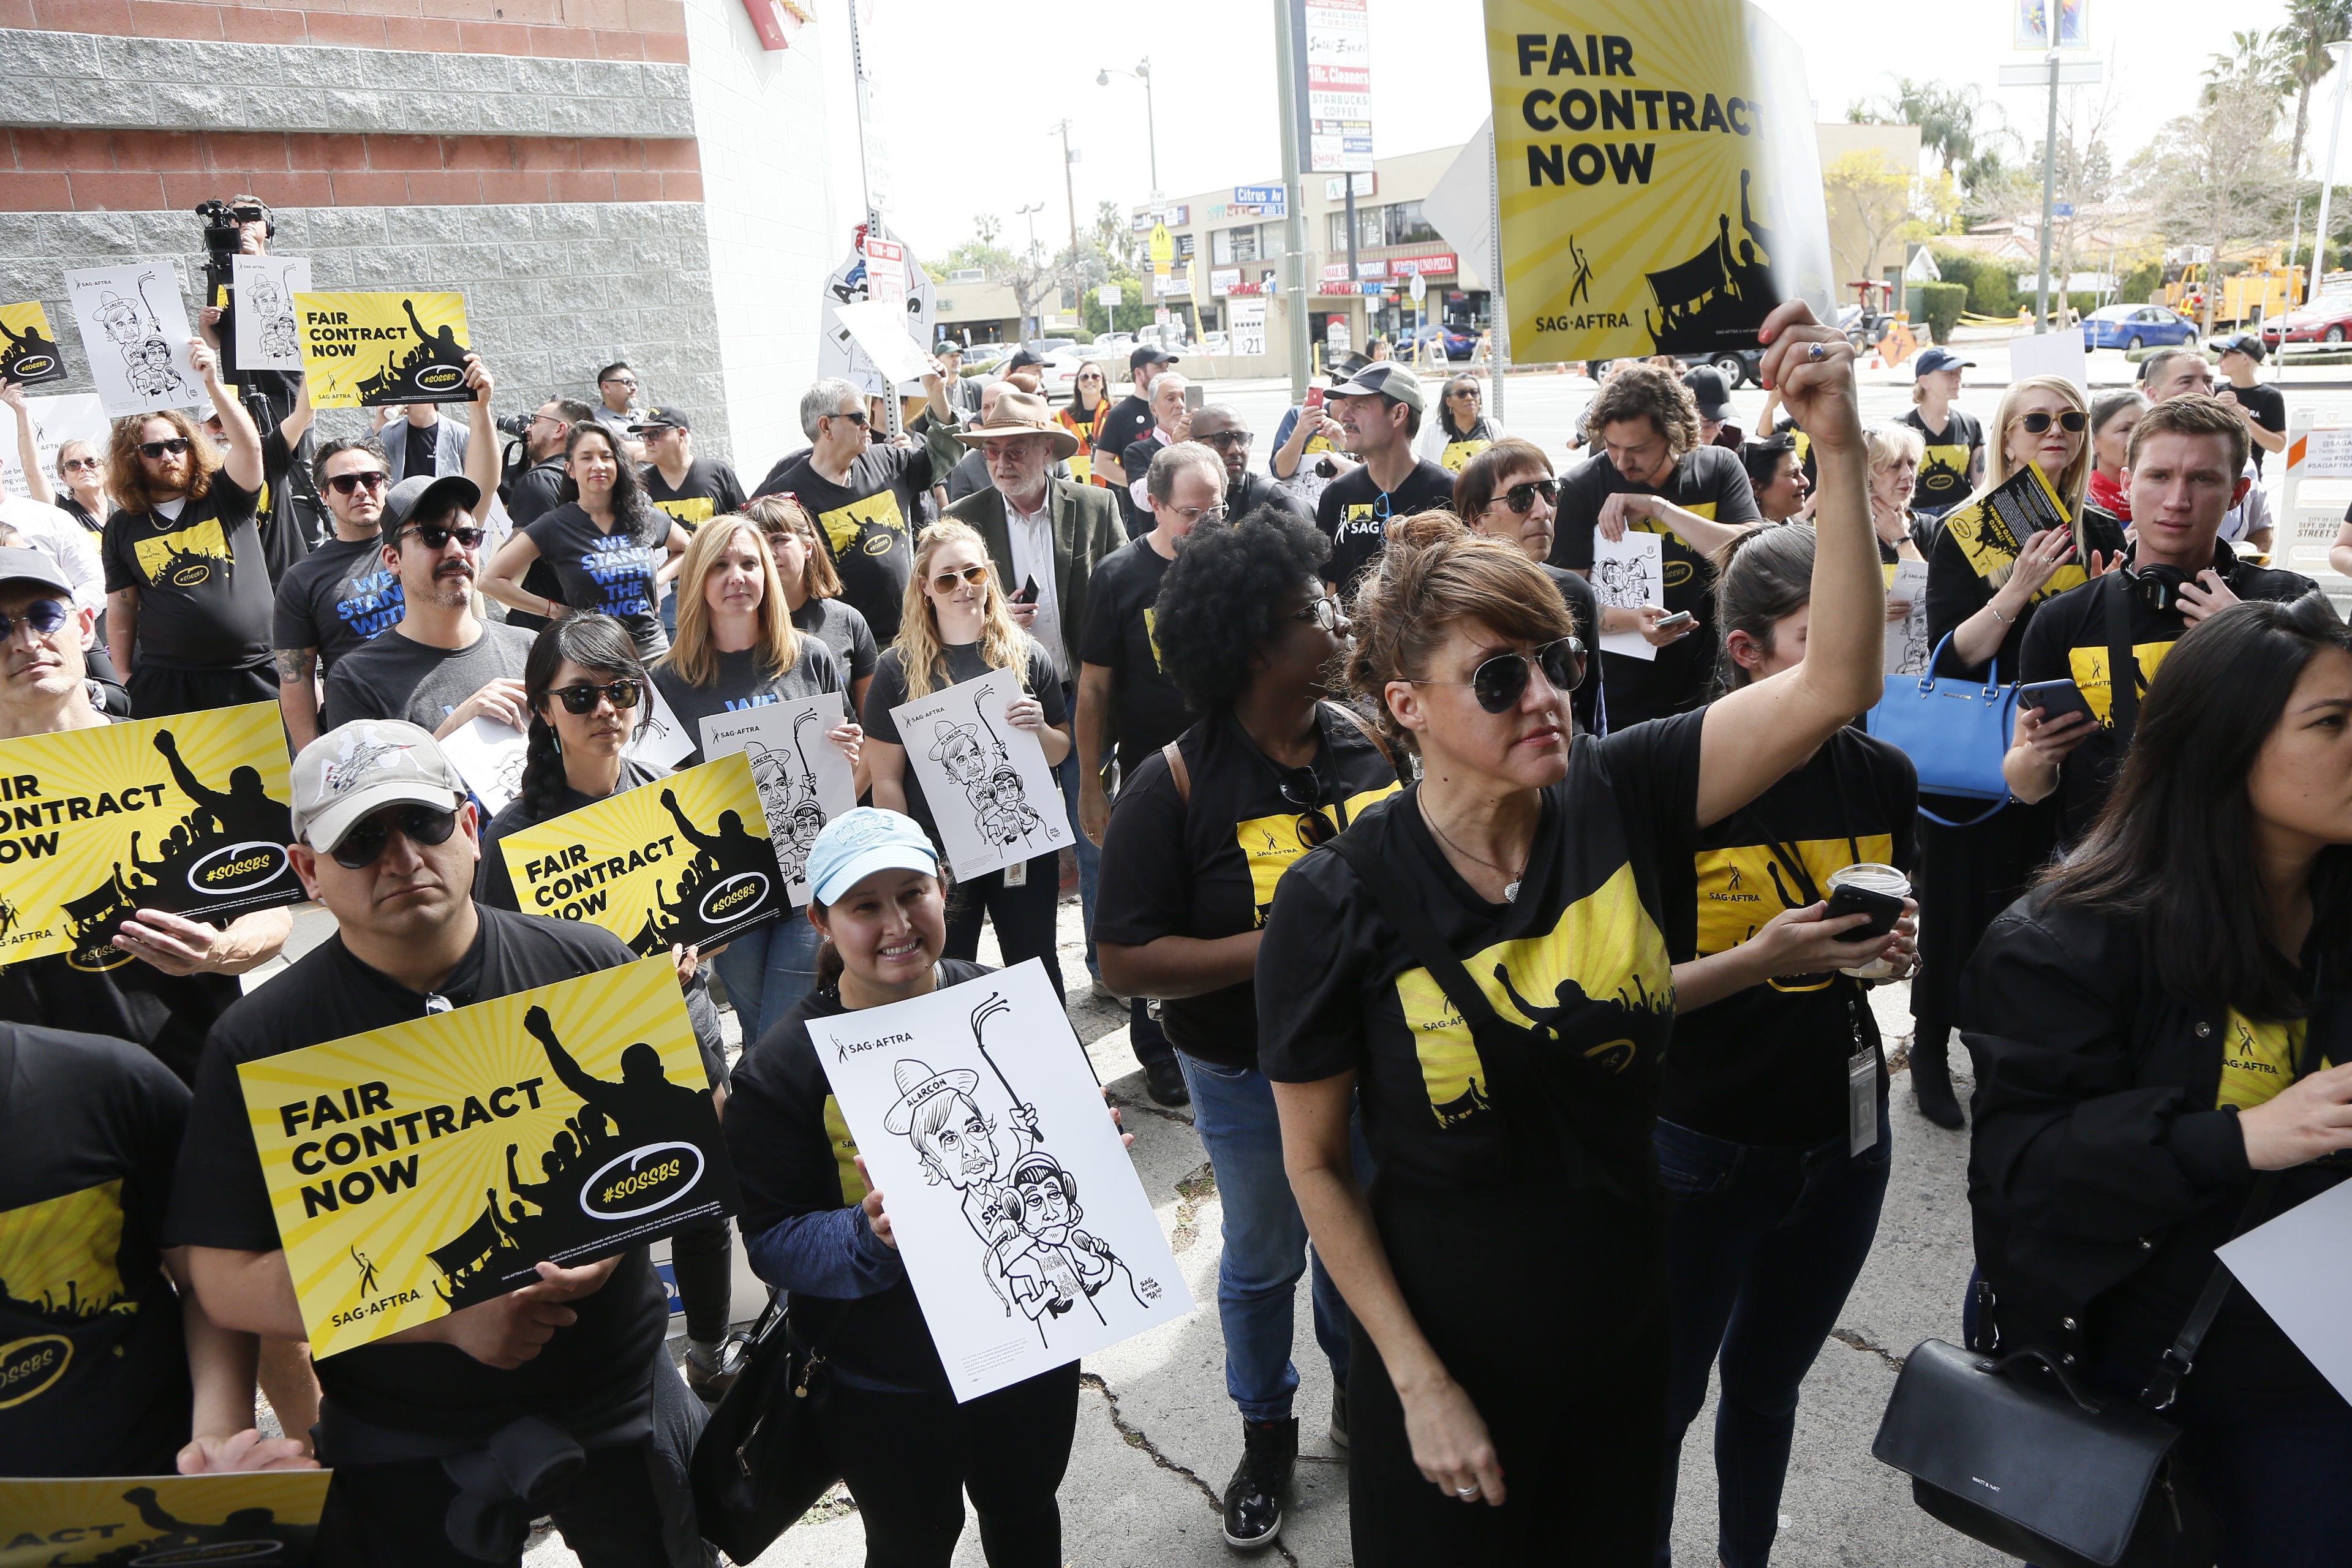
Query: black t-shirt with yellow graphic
(204, 596)
(794, 1156)
(1768, 1065)
(1208, 868)
(2069, 641)
(1147, 711)
(1943, 481)
(870, 523)
(710, 490)
(93, 1375)
(1354, 514)
(1708, 482)
(1579, 959)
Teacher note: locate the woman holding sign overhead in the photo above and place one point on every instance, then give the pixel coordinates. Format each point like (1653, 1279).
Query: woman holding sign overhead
(606, 544)
(587, 696)
(737, 647)
(1481, 961)
(955, 627)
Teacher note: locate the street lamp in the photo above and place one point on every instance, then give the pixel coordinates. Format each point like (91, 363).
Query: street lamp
(2336, 52)
(1142, 73)
(1031, 212)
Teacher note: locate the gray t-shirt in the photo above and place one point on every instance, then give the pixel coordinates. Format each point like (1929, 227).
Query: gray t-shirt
(395, 677)
(746, 680)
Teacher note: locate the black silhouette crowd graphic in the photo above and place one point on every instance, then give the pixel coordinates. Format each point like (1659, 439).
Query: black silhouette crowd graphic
(733, 851)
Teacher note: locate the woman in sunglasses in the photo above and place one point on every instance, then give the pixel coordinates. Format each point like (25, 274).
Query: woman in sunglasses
(82, 473)
(1199, 839)
(1983, 594)
(736, 648)
(955, 627)
(606, 543)
(588, 700)
(1083, 417)
(1461, 430)
(1481, 962)
(1774, 1169)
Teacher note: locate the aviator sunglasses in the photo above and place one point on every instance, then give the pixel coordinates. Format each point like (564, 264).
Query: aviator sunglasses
(1502, 680)
(1521, 499)
(945, 581)
(2073, 421)
(364, 843)
(581, 699)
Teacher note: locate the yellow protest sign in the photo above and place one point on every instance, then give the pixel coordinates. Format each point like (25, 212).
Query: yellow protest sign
(370, 351)
(28, 349)
(423, 1168)
(266, 1516)
(1660, 187)
(686, 859)
(188, 813)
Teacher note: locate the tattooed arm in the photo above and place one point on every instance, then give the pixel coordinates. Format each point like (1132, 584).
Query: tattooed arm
(298, 693)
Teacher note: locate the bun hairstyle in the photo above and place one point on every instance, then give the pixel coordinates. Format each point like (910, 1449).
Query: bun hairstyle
(1433, 573)
(1761, 577)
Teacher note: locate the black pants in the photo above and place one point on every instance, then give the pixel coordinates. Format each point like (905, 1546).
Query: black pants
(701, 1256)
(1548, 1305)
(1025, 917)
(157, 692)
(392, 1516)
(909, 1459)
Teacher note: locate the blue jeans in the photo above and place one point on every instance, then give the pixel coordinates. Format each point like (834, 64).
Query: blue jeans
(1266, 1246)
(1762, 1246)
(768, 970)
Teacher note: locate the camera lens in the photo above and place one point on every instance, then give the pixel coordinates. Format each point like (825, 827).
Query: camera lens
(515, 425)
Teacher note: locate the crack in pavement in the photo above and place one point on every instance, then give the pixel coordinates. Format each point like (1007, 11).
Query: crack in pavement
(1136, 1438)
(1853, 1341)
(1191, 1193)
(1123, 1103)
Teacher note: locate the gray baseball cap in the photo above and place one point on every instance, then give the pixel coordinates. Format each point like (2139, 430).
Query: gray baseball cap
(362, 767)
(422, 495)
(25, 566)
(1388, 379)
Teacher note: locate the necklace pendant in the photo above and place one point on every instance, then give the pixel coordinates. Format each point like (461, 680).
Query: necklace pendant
(1511, 892)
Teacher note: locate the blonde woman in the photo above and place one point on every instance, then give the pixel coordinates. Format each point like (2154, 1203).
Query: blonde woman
(955, 627)
(1983, 594)
(813, 590)
(737, 647)
(1894, 451)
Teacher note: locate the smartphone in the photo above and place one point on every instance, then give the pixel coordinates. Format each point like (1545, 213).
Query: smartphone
(1028, 595)
(1884, 909)
(1314, 400)
(1195, 394)
(1677, 621)
(2054, 699)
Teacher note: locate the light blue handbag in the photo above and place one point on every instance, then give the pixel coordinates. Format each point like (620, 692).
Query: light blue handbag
(1955, 733)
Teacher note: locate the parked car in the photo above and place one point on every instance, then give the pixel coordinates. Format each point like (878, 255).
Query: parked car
(1050, 345)
(1457, 343)
(980, 358)
(2136, 327)
(2326, 319)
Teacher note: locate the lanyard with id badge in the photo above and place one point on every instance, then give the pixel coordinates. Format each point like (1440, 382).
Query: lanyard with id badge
(1858, 889)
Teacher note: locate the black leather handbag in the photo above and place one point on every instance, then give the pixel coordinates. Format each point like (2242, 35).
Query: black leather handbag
(760, 1463)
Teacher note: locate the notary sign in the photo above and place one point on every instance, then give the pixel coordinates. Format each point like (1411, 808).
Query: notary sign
(420, 1169)
(188, 813)
(148, 1522)
(373, 351)
(1661, 190)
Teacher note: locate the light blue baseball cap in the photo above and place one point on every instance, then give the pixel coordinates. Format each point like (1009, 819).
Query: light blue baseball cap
(857, 844)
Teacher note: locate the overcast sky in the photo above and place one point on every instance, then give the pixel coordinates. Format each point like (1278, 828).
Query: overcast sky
(969, 94)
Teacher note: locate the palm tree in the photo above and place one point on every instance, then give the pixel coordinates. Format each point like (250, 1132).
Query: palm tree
(2259, 59)
(2311, 26)
(1955, 122)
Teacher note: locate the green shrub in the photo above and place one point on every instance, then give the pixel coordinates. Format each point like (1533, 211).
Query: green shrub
(2141, 284)
(1944, 303)
(1992, 292)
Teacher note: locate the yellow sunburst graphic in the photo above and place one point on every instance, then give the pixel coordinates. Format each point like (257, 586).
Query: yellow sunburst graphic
(58, 1258)
(161, 1519)
(370, 350)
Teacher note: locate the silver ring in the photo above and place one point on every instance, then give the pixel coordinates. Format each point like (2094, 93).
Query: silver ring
(1818, 351)
(1465, 1492)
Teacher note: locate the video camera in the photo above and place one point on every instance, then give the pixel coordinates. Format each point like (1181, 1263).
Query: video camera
(515, 425)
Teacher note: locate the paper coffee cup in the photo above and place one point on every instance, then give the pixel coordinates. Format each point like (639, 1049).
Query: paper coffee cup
(1876, 878)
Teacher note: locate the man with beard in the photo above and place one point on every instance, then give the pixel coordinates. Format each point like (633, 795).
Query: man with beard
(1220, 427)
(440, 667)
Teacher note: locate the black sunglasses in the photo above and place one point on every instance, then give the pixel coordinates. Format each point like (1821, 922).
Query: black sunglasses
(1502, 680)
(364, 843)
(351, 484)
(1226, 439)
(175, 445)
(2073, 421)
(436, 536)
(43, 615)
(1521, 499)
(624, 694)
(857, 418)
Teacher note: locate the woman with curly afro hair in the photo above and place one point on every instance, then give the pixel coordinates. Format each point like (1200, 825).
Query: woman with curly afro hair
(1196, 843)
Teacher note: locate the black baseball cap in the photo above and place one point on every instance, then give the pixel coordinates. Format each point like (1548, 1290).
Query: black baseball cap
(661, 417)
(2248, 344)
(1706, 387)
(1149, 354)
(1021, 357)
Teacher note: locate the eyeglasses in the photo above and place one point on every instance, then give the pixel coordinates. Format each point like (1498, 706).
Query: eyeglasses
(1502, 680)
(2073, 421)
(1324, 611)
(368, 480)
(1193, 516)
(1223, 439)
(1521, 499)
(618, 381)
(435, 536)
(855, 417)
(623, 693)
(43, 615)
(174, 447)
(945, 581)
(72, 464)
(364, 843)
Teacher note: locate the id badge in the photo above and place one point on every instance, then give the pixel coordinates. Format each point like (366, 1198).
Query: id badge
(1017, 873)
(1862, 1101)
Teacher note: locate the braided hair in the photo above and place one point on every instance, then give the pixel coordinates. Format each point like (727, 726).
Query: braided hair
(596, 642)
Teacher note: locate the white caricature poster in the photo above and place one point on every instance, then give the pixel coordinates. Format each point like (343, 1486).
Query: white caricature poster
(1907, 639)
(989, 788)
(265, 287)
(1021, 1219)
(1628, 573)
(663, 744)
(488, 754)
(135, 333)
(805, 779)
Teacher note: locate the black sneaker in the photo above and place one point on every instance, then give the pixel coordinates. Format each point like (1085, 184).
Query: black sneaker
(1253, 1496)
(1340, 1413)
(1166, 1081)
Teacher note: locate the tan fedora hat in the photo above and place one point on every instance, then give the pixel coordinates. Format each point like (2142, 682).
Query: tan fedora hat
(1021, 414)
